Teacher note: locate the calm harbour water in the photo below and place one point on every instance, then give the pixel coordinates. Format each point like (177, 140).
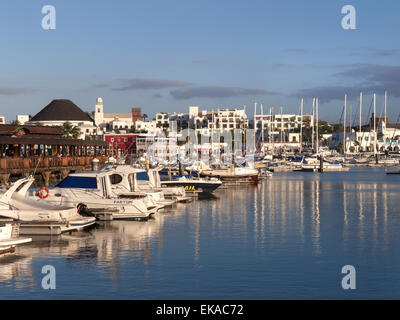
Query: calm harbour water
(286, 238)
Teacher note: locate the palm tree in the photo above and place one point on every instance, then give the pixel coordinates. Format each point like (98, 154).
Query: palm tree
(69, 131)
(15, 123)
(144, 116)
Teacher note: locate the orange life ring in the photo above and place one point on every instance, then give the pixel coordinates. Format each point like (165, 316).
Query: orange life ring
(40, 193)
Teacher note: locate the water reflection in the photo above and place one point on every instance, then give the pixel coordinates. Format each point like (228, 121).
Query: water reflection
(289, 218)
(300, 206)
(101, 247)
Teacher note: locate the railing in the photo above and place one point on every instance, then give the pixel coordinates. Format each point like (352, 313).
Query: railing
(48, 162)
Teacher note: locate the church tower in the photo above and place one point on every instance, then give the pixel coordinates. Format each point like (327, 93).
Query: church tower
(99, 112)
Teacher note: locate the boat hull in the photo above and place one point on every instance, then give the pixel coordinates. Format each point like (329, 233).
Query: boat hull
(201, 187)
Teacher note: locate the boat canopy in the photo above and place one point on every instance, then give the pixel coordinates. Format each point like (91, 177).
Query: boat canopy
(78, 182)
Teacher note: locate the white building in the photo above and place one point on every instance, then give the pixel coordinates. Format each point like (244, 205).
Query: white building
(286, 122)
(386, 137)
(2, 120)
(145, 126)
(205, 121)
(162, 120)
(22, 119)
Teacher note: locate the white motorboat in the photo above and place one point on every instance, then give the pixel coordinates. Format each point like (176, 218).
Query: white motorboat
(388, 161)
(9, 237)
(92, 191)
(37, 216)
(231, 172)
(130, 181)
(393, 170)
(193, 184)
(313, 164)
(124, 185)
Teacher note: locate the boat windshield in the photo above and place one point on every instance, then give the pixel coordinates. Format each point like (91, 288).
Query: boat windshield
(78, 182)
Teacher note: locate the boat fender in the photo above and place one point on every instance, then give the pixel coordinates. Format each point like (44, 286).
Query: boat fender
(43, 193)
(82, 209)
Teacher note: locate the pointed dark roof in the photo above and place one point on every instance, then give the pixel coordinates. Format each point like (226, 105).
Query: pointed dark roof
(61, 110)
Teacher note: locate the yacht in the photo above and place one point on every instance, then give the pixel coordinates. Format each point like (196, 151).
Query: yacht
(393, 170)
(35, 215)
(124, 184)
(130, 181)
(231, 172)
(313, 164)
(92, 192)
(193, 183)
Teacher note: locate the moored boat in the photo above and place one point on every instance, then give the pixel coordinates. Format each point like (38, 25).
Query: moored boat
(193, 184)
(36, 216)
(230, 172)
(92, 192)
(9, 236)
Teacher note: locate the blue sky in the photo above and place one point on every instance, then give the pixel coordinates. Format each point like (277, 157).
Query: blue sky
(167, 55)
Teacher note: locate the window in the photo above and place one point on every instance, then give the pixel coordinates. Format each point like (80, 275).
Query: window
(115, 178)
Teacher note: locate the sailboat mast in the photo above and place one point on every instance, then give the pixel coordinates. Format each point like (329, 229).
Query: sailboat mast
(316, 136)
(301, 124)
(344, 122)
(361, 96)
(313, 124)
(281, 126)
(385, 107)
(350, 119)
(374, 123)
(262, 124)
(255, 125)
(269, 125)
